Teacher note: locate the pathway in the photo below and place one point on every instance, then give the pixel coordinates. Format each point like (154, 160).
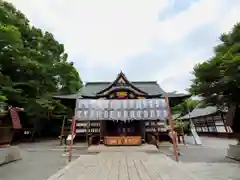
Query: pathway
(146, 163)
(123, 166)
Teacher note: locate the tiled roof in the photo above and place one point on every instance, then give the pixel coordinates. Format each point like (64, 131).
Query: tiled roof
(198, 112)
(150, 87)
(69, 96)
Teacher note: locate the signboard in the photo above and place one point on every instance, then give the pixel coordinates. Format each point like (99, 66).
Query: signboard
(123, 110)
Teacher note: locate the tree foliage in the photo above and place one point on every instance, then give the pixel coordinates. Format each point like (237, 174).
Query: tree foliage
(33, 66)
(218, 79)
(185, 107)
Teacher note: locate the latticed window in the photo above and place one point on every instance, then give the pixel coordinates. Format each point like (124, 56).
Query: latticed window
(212, 129)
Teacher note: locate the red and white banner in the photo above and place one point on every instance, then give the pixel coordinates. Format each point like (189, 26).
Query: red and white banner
(15, 117)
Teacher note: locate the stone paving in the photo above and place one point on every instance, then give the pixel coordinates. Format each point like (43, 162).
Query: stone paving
(123, 166)
(213, 171)
(42, 159)
(217, 142)
(129, 165)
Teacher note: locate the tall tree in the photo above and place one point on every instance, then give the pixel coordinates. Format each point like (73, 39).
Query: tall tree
(218, 79)
(33, 65)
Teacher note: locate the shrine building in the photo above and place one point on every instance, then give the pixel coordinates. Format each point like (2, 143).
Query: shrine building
(114, 132)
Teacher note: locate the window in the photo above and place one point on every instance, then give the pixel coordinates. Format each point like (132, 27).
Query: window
(212, 129)
(198, 129)
(221, 129)
(219, 123)
(205, 129)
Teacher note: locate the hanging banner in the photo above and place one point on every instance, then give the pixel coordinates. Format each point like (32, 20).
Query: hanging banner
(15, 117)
(123, 110)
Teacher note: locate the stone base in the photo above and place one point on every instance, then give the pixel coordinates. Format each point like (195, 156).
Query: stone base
(102, 148)
(9, 154)
(233, 152)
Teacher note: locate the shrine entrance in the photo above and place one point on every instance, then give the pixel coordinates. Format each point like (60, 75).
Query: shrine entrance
(121, 128)
(123, 133)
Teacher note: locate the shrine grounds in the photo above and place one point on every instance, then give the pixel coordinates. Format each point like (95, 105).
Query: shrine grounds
(42, 159)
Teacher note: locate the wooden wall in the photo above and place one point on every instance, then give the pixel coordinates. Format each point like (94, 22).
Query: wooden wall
(212, 125)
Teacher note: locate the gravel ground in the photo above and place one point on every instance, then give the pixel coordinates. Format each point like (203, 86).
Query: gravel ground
(33, 166)
(201, 154)
(39, 161)
(213, 150)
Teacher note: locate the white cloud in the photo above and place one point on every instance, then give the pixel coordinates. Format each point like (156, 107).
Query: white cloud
(230, 18)
(197, 15)
(178, 73)
(109, 33)
(105, 32)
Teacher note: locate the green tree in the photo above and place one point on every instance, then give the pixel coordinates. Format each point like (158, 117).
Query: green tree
(33, 66)
(185, 107)
(218, 79)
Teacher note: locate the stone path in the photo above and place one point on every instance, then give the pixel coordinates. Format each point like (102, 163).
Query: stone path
(41, 160)
(123, 166)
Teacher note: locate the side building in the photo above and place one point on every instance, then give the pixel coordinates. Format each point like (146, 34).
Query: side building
(209, 121)
(118, 132)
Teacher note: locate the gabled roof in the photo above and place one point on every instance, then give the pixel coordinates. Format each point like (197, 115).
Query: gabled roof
(121, 79)
(199, 112)
(149, 87)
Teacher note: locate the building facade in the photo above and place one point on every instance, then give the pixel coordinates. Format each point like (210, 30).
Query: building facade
(118, 132)
(209, 121)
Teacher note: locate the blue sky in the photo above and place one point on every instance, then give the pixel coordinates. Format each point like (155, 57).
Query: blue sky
(158, 40)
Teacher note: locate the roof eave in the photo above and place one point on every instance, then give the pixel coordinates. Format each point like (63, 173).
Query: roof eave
(68, 96)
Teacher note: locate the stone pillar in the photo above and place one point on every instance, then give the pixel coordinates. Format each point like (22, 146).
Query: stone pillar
(9, 154)
(233, 152)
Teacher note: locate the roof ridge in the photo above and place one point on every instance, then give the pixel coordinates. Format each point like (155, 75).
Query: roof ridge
(106, 82)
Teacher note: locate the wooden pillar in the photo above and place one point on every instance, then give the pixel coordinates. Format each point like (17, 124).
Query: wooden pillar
(87, 131)
(62, 131)
(221, 114)
(157, 131)
(143, 131)
(73, 131)
(201, 124)
(215, 124)
(172, 127)
(206, 123)
(101, 126)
